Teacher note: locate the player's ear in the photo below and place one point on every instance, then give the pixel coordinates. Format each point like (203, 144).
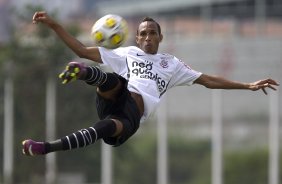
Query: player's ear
(161, 37)
(136, 39)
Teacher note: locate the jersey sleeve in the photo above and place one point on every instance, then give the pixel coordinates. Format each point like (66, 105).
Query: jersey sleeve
(114, 58)
(183, 75)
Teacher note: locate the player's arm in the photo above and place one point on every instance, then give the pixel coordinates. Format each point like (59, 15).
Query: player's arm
(80, 49)
(215, 82)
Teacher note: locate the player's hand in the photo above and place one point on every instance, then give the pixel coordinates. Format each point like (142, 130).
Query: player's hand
(263, 84)
(73, 71)
(42, 17)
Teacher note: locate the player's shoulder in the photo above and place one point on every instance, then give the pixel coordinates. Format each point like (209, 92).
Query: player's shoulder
(134, 49)
(129, 48)
(122, 50)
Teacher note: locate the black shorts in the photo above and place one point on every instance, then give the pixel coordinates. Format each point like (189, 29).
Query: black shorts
(123, 109)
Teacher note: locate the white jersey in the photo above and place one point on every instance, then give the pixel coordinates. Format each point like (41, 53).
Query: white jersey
(148, 75)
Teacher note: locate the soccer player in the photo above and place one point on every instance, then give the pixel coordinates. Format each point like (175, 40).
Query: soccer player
(130, 94)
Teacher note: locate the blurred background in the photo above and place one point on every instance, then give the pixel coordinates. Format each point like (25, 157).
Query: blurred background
(198, 136)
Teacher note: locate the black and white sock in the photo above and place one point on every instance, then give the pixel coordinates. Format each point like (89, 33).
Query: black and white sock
(84, 137)
(95, 76)
(105, 81)
(80, 139)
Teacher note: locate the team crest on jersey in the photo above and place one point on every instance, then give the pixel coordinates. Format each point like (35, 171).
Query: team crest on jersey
(164, 63)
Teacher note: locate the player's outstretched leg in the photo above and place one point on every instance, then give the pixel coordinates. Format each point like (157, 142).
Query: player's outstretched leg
(79, 71)
(81, 138)
(92, 75)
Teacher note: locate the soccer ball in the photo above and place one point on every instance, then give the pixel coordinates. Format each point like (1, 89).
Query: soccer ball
(109, 31)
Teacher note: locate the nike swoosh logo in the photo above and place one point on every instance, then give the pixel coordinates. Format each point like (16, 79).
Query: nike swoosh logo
(140, 54)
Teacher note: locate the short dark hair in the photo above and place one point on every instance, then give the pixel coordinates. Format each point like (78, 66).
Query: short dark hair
(149, 19)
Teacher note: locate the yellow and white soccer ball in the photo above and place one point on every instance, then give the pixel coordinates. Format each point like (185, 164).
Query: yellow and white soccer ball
(110, 31)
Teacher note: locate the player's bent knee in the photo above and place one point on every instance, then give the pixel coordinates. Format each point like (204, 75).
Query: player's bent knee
(119, 127)
(110, 93)
(111, 83)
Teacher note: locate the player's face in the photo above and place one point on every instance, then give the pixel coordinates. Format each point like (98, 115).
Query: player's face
(148, 37)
